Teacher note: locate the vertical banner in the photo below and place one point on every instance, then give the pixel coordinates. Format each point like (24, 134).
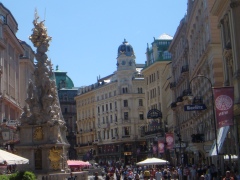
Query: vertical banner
(169, 140)
(154, 149)
(161, 147)
(224, 101)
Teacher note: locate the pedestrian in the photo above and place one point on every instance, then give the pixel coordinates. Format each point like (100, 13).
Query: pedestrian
(96, 176)
(158, 175)
(228, 176)
(72, 177)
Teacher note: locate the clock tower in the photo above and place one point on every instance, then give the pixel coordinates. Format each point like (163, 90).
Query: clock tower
(126, 66)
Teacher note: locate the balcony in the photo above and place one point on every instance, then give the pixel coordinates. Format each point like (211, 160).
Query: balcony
(173, 105)
(155, 131)
(186, 93)
(185, 69)
(172, 85)
(126, 136)
(179, 100)
(197, 100)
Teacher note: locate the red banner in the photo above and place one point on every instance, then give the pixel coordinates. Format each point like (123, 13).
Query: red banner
(224, 101)
(161, 146)
(169, 140)
(154, 149)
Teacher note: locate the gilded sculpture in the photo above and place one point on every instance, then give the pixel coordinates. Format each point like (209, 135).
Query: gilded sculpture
(55, 157)
(38, 133)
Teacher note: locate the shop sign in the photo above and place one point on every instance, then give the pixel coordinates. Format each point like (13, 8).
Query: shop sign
(195, 107)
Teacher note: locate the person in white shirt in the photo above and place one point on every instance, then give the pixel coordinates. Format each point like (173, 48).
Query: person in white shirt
(158, 175)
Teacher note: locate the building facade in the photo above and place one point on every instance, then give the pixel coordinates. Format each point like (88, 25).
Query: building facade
(116, 105)
(12, 57)
(157, 72)
(196, 45)
(227, 13)
(66, 94)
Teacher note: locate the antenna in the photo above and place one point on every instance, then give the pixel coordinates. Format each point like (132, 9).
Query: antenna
(45, 14)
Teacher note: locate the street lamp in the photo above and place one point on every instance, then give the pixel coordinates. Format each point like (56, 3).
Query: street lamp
(213, 110)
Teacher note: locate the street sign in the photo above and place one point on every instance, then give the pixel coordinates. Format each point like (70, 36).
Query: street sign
(195, 107)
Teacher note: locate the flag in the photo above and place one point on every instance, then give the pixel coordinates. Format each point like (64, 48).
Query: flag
(169, 140)
(224, 102)
(161, 147)
(154, 149)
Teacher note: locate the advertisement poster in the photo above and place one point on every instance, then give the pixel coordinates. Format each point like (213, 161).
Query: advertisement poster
(161, 146)
(169, 140)
(223, 99)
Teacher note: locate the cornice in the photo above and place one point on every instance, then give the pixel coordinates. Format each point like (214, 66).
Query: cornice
(219, 6)
(235, 4)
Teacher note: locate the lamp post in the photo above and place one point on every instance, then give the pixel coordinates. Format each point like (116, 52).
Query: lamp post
(213, 110)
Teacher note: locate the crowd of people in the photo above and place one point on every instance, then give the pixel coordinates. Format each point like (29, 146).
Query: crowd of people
(192, 172)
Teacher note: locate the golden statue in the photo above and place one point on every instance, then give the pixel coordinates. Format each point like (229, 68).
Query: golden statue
(38, 133)
(55, 157)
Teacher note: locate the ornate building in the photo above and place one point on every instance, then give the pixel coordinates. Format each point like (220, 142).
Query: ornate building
(157, 72)
(196, 45)
(228, 15)
(111, 113)
(66, 94)
(179, 83)
(16, 67)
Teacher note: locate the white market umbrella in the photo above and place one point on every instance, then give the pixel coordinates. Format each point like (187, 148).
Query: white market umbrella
(11, 159)
(153, 161)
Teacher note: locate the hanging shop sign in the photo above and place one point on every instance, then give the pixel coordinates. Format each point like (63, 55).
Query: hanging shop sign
(195, 107)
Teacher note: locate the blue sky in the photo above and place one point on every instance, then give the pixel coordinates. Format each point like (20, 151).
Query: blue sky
(86, 33)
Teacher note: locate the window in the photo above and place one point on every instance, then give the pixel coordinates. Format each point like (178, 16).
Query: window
(140, 90)
(125, 103)
(98, 110)
(110, 94)
(126, 131)
(104, 134)
(111, 119)
(110, 106)
(112, 133)
(124, 90)
(125, 115)
(116, 131)
(102, 108)
(115, 93)
(140, 102)
(106, 107)
(115, 105)
(116, 118)
(103, 120)
(141, 116)
(107, 119)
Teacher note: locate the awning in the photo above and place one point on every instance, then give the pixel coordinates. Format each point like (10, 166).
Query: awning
(222, 133)
(77, 163)
(11, 159)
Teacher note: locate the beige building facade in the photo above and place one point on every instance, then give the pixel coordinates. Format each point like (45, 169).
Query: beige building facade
(16, 67)
(158, 95)
(197, 46)
(111, 114)
(228, 14)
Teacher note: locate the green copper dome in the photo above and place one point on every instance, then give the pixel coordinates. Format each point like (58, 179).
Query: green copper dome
(62, 80)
